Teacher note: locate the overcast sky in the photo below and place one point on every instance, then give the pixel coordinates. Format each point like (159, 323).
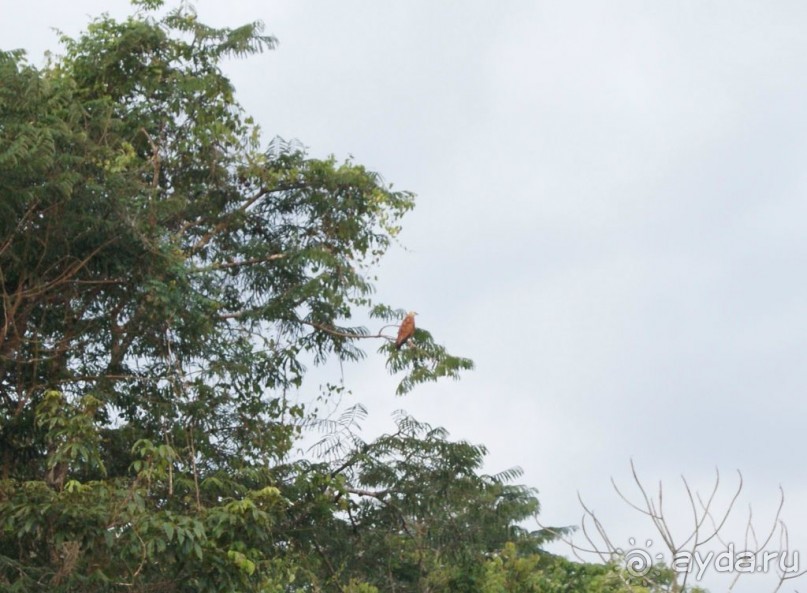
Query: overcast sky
(611, 222)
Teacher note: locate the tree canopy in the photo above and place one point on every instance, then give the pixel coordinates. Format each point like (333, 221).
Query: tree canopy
(164, 275)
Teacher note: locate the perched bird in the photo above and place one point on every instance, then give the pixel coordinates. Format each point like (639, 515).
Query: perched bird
(406, 331)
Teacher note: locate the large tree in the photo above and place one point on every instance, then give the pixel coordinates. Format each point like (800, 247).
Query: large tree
(164, 273)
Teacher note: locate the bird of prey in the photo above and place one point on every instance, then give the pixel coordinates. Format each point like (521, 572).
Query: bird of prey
(406, 331)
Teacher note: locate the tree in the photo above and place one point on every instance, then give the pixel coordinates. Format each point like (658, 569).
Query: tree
(416, 514)
(162, 274)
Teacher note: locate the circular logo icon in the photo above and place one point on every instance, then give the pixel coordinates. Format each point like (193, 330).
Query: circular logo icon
(638, 562)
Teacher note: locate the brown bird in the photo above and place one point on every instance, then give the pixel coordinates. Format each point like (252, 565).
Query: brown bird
(406, 331)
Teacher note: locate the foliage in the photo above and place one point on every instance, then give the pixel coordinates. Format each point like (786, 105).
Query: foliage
(163, 276)
(510, 572)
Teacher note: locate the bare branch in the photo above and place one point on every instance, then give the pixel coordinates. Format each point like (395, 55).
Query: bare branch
(729, 509)
(240, 264)
(701, 510)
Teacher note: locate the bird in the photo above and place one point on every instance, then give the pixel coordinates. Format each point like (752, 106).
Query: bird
(406, 331)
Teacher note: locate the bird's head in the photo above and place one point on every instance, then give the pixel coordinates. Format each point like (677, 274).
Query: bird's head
(411, 314)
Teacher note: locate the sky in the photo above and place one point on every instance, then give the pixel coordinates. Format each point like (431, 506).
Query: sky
(610, 222)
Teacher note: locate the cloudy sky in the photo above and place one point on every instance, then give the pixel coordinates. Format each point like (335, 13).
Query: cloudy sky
(611, 222)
